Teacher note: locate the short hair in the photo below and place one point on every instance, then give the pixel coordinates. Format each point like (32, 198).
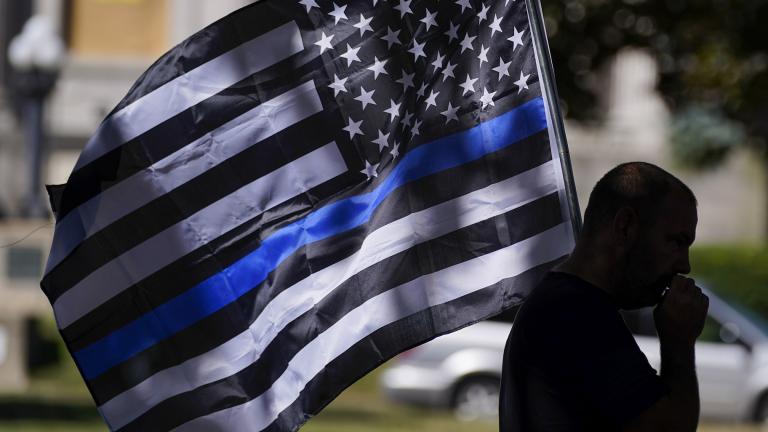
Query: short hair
(638, 185)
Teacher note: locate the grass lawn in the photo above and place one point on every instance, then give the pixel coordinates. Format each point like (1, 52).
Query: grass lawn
(58, 401)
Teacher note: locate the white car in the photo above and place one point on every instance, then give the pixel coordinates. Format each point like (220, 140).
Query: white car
(462, 370)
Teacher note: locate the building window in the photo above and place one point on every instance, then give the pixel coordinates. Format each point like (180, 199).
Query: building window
(24, 263)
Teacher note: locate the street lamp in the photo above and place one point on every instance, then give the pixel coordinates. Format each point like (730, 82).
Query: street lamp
(37, 55)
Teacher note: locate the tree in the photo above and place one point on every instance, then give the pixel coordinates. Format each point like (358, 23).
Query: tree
(712, 57)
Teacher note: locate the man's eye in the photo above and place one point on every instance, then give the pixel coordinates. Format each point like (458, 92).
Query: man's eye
(678, 241)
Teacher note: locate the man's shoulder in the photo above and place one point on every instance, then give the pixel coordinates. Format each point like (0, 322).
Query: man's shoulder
(559, 289)
(564, 318)
(564, 304)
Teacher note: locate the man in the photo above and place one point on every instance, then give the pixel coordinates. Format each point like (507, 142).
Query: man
(570, 363)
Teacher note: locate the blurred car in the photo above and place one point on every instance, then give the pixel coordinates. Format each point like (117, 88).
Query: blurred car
(462, 370)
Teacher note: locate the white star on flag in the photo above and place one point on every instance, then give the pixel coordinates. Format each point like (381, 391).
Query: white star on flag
(422, 89)
(382, 141)
(338, 13)
(431, 99)
(503, 68)
(395, 150)
(516, 38)
(487, 98)
(464, 4)
(351, 55)
(438, 63)
(448, 71)
(370, 170)
(495, 25)
(325, 42)
(466, 43)
(407, 118)
(406, 80)
(483, 56)
(404, 7)
(364, 24)
(483, 14)
(392, 37)
(522, 83)
(353, 128)
(415, 129)
(378, 67)
(309, 4)
(453, 32)
(338, 85)
(366, 97)
(450, 113)
(393, 110)
(417, 50)
(468, 85)
(429, 19)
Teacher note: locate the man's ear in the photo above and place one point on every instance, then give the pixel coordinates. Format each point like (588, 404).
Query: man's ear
(626, 226)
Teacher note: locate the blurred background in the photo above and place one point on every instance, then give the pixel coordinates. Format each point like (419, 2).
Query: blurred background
(680, 83)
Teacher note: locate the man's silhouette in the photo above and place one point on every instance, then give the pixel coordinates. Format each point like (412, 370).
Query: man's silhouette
(570, 363)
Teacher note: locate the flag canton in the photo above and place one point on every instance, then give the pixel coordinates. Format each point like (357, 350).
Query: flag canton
(404, 73)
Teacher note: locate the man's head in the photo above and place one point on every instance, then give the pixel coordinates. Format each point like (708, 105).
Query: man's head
(644, 220)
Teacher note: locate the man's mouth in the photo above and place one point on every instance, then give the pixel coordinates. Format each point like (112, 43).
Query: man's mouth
(662, 286)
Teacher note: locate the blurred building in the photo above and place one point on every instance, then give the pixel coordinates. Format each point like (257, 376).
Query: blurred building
(111, 42)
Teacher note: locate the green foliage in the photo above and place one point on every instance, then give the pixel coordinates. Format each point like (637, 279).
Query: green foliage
(52, 426)
(702, 137)
(710, 52)
(62, 379)
(735, 272)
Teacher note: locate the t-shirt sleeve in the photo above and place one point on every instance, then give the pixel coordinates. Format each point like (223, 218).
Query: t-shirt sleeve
(601, 364)
(619, 382)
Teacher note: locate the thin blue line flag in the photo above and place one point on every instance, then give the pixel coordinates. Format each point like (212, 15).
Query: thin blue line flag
(294, 195)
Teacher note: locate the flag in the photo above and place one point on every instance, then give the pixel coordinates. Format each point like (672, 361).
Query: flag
(297, 193)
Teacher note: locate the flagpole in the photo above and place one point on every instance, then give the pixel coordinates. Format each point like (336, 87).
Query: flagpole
(549, 89)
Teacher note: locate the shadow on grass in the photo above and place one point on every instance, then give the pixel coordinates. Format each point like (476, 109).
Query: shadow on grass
(14, 408)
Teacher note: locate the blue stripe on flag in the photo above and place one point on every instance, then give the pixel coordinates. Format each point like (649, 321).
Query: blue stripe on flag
(242, 276)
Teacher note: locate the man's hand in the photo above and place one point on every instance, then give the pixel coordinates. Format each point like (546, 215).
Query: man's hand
(679, 320)
(681, 313)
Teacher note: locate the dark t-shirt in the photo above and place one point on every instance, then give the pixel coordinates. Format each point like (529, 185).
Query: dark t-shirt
(571, 364)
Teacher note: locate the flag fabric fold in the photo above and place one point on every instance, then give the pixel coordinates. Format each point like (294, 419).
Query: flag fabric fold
(294, 195)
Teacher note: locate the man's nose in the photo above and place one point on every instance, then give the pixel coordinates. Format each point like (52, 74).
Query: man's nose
(684, 263)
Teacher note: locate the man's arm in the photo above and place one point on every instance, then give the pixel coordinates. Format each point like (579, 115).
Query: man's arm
(679, 321)
(678, 411)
